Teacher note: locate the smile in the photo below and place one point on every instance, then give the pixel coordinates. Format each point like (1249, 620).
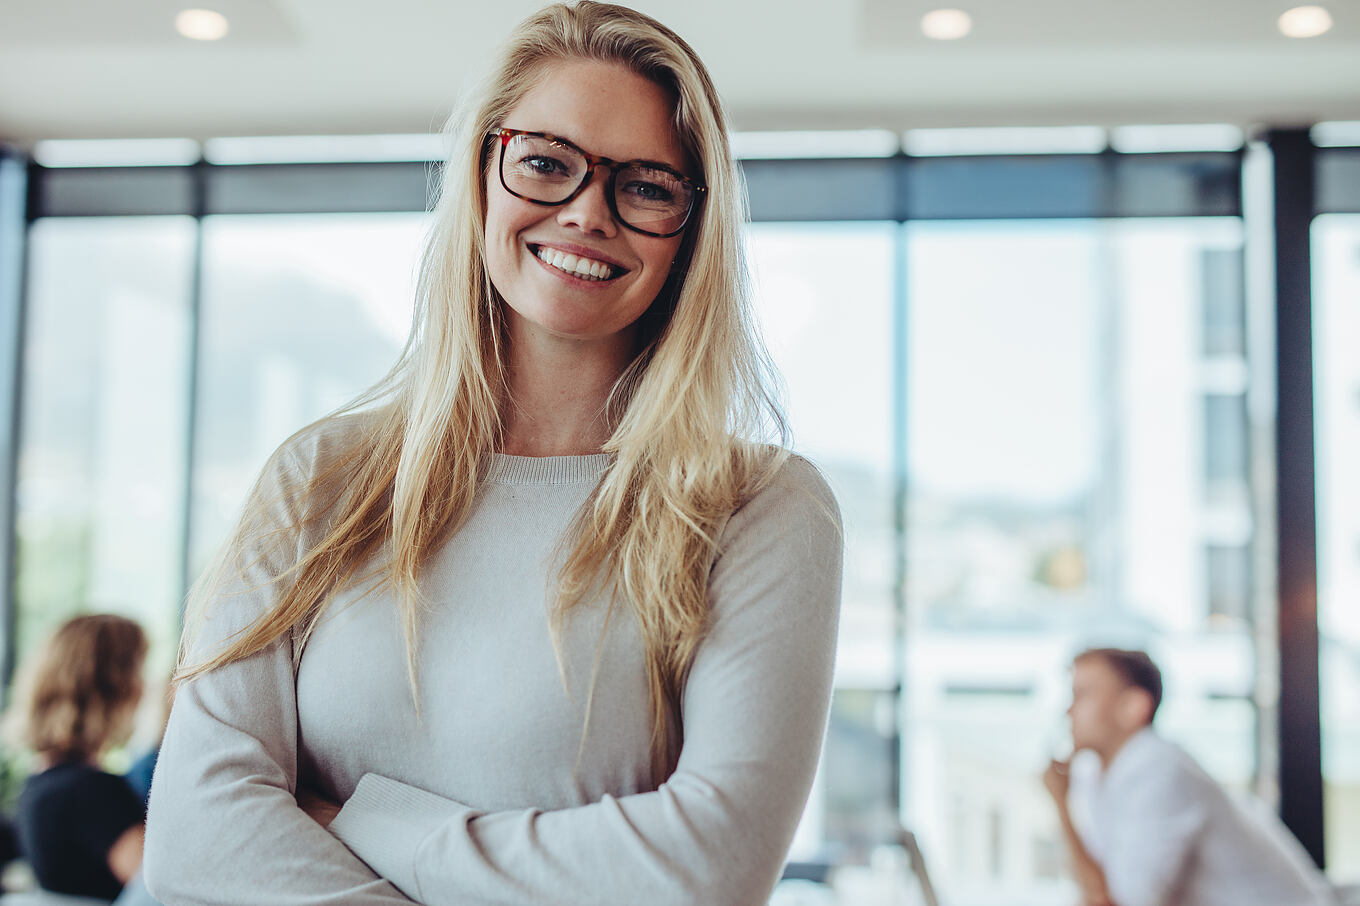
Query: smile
(577, 266)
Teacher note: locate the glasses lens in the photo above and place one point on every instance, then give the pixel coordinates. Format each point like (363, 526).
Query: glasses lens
(541, 169)
(652, 199)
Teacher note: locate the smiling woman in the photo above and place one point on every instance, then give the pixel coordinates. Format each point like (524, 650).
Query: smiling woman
(573, 269)
(594, 596)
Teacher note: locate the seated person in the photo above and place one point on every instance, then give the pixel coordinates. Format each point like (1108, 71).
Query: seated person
(139, 775)
(81, 828)
(1163, 832)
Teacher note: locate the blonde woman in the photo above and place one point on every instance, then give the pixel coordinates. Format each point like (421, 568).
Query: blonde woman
(543, 620)
(81, 827)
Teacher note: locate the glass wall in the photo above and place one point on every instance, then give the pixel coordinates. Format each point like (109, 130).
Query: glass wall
(1336, 319)
(1076, 442)
(1037, 430)
(100, 497)
(1075, 433)
(825, 296)
(301, 313)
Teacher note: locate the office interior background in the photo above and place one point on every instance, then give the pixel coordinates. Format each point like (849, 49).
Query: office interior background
(1068, 309)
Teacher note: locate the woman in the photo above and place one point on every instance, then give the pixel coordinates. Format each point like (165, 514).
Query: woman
(82, 828)
(544, 623)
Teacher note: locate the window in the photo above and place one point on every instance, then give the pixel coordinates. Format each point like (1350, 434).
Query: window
(301, 313)
(1228, 571)
(824, 295)
(1060, 390)
(100, 512)
(1336, 333)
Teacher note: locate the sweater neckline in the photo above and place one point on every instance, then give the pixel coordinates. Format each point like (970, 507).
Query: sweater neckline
(508, 469)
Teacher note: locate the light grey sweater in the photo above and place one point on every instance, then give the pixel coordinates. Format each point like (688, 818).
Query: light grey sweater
(493, 795)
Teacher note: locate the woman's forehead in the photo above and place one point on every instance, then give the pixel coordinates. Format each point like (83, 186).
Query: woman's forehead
(604, 108)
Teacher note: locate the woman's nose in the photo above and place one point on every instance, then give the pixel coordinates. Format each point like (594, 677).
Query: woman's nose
(589, 211)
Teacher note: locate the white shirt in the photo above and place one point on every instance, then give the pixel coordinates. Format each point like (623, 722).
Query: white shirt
(1166, 834)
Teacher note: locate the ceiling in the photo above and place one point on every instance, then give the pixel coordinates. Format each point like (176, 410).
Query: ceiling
(81, 69)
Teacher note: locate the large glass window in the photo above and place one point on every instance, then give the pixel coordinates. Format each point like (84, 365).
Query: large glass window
(1077, 476)
(825, 300)
(301, 313)
(101, 460)
(1038, 433)
(1336, 339)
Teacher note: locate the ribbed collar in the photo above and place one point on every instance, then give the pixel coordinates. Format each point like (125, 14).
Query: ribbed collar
(507, 469)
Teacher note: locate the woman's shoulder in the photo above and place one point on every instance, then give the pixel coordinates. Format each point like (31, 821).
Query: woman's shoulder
(793, 493)
(309, 471)
(315, 447)
(318, 451)
(783, 547)
(798, 474)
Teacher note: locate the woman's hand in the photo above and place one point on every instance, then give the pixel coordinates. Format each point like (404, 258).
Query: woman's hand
(317, 807)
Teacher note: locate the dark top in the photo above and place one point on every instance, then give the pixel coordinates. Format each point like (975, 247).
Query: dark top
(69, 817)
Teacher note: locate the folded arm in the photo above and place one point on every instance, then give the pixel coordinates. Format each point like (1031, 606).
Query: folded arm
(224, 824)
(717, 831)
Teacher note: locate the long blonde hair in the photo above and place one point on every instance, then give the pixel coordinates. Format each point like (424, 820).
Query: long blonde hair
(689, 414)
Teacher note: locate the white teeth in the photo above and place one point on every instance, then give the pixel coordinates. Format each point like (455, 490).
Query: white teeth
(585, 268)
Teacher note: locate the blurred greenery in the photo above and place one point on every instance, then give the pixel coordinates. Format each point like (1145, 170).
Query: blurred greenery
(52, 566)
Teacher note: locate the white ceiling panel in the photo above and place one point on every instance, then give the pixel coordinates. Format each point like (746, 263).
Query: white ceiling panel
(75, 68)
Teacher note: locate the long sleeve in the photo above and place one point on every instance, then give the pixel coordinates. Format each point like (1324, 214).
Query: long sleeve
(717, 831)
(224, 825)
(1153, 842)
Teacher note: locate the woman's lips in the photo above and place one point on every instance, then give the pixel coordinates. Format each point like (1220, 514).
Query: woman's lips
(584, 264)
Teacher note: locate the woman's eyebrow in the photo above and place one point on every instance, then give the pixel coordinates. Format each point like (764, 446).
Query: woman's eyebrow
(642, 158)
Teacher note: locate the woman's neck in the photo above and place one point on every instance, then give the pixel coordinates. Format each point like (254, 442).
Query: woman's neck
(558, 394)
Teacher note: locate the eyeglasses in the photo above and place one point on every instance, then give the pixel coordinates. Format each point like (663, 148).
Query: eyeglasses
(645, 196)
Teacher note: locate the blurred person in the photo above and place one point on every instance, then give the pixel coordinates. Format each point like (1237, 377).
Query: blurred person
(81, 827)
(1161, 831)
(139, 774)
(544, 617)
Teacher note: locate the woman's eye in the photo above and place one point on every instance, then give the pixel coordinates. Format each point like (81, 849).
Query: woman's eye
(649, 191)
(543, 166)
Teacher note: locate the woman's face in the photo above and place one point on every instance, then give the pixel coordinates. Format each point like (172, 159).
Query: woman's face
(606, 110)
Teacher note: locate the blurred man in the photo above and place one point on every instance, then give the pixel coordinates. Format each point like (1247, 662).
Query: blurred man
(1162, 832)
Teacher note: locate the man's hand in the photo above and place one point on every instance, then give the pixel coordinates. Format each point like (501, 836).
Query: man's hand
(1086, 871)
(318, 807)
(1057, 780)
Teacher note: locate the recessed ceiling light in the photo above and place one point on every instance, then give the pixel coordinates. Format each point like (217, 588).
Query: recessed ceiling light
(201, 24)
(946, 24)
(1305, 22)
